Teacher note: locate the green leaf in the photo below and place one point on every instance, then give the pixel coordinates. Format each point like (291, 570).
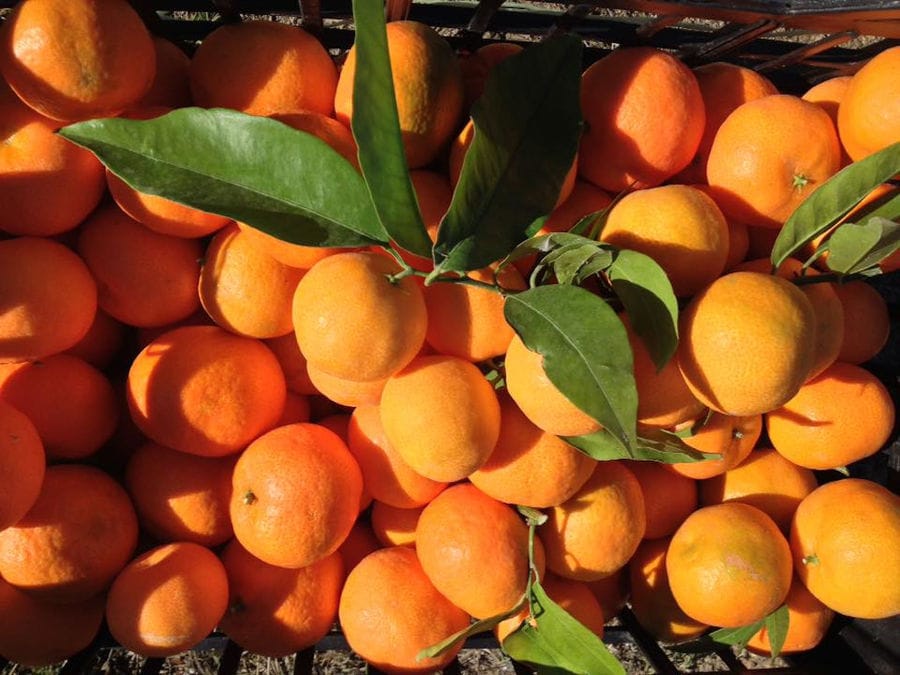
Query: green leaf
(252, 169)
(646, 292)
(376, 128)
(736, 636)
(474, 628)
(556, 643)
(777, 624)
(585, 349)
(856, 247)
(568, 262)
(527, 127)
(665, 448)
(833, 200)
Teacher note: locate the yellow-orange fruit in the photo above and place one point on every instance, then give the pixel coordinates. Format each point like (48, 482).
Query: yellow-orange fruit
(808, 622)
(669, 497)
(731, 437)
(869, 114)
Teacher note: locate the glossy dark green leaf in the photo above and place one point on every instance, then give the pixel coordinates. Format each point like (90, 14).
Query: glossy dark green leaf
(555, 643)
(568, 262)
(252, 169)
(527, 127)
(377, 131)
(664, 448)
(585, 349)
(646, 292)
(833, 200)
(776, 625)
(856, 247)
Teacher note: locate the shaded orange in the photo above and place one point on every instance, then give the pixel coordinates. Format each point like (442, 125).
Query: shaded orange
(433, 195)
(102, 343)
(387, 477)
(167, 600)
(441, 416)
(845, 538)
(734, 578)
(296, 493)
(352, 321)
(293, 364)
(428, 87)
(652, 601)
(612, 592)
(395, 526)
(275, 612)
(645, 118)
(48, 295)
(369, 604)
(143, 278)
(47, 184)
(726, 435)
(595, 532)
(669, 498)
(80, 532)
(723, 86)
(746, 342)
(768, 155)
(840, 417)
(22, 465)
(263, 67)
(38, 633)
(477, 67)
(297, 408)
(765, 480)
(528, 466)
(181, 497)
(205, 391)
(350, 393)
(474, 550)
(171, 85)
(72, 404)
(867, 323)
(359, 543)
(537, 397)
(869, 112)
(77, 59)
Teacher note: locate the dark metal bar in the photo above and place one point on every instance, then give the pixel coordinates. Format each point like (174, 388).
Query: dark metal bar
(231, 658)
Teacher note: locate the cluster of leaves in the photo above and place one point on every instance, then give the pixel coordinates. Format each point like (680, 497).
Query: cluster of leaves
(528, 123)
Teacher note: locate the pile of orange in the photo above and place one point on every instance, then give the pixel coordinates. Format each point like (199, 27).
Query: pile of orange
(203, 427)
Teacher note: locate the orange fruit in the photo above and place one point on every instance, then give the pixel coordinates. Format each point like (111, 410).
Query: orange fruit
(574, 597)
(428, 87)
(386, 476)
(461, 534)
(669, 497)
(47, 184)
(263, 67)
(369, 603)
(433, 195)
(50, 296)
(845, 538)
(734, 578)
(171, 86)
(468, 322)
(477, 67)
(75, 538)
(441, 416)
(395, 526)
(869, 114)
(808, 622)
(77, 59)
(731, 437)
(72, 404)
(293, 364)
(867, 323)
(297, 408)
(839, 417)
(664, 399)
(22, 465)
(205, 391)
(45, 633)
(353, 322)
(143, 278)
(273, 611)
(746, 343)
(349, 393)
(828, 95)
(540, 400)
(645, 118)
(768, 155)
(244, 289)
(181, 497)
(652, 601)
(167, 600)
(102, 343)
(528, 466)
(597, 530)
(611, 592)
(765, 480)
(585, 198)
(723, 86)
(296, 492)
(359, 543)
